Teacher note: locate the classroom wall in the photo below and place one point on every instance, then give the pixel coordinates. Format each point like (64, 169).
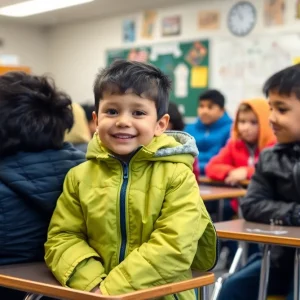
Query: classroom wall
(29, 43)
(76, 51)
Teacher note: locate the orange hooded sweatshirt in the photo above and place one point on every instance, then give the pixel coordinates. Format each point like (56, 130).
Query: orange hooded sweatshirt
(237, 153)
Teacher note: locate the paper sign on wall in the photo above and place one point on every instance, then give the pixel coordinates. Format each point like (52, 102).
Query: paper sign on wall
(181, 73)
(199, 76)
(296, 60)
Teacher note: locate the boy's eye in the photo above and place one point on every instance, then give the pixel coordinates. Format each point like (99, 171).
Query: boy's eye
(139, 113)
(282, 110)
(111, 111)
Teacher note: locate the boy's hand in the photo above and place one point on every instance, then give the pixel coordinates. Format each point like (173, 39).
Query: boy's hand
(236, 175)
(96, 290)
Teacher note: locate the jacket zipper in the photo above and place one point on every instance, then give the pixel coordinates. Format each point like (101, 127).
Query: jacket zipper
(123, 212)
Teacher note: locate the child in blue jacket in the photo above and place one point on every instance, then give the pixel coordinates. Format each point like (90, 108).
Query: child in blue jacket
(212, 127)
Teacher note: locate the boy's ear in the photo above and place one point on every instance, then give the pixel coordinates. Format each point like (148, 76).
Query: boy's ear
(95, 118)
(162, 125)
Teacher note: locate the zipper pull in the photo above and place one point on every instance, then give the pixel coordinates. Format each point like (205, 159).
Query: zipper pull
(125, 171)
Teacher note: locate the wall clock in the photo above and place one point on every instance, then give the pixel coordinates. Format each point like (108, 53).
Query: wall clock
(241, 18)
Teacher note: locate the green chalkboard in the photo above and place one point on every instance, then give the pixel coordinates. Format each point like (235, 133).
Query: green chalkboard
(185, 63)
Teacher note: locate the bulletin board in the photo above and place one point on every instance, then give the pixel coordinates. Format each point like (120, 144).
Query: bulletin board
(186, 63)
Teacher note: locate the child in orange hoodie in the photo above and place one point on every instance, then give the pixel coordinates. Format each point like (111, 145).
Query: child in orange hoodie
(235, 162)
(250, 135)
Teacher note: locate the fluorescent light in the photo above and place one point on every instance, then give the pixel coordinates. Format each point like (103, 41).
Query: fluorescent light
(34, 7)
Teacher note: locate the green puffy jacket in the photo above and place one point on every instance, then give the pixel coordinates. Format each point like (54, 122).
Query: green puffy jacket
(131, 226)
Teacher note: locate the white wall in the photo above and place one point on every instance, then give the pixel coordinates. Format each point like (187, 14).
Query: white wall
(29, 43)
(76, 51)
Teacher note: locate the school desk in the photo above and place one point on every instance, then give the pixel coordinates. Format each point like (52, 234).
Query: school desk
(36, 279)
(241, 230)
(212, 193)
(206, 180)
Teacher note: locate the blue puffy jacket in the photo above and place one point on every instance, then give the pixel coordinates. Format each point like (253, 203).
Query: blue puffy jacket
(30, 184)
(210, 138)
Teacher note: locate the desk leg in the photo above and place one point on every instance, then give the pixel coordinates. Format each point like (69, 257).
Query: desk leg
(237, 258)
(204, 292)
(232, 269)
(240, 213)
(33, 297)
(297, 275)
(220, 210)
(264, 273)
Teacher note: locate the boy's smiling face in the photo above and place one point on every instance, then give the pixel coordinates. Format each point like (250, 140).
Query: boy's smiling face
(285, 117)
(126, 122)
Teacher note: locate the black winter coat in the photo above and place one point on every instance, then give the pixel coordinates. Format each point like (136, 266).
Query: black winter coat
(273, 196)
(30, 184)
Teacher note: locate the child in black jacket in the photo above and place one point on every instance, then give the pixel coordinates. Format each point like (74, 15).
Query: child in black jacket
(273, 196)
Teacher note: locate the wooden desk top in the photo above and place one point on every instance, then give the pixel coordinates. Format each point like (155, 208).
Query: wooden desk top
(206, 180)
(36, 278)
(209, 193)
(260, 233)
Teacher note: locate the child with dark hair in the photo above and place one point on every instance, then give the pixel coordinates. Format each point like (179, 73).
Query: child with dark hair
(176, 119)
(212, 128)
(34, 160)
(176, 123)
(89, 109)
(79, 135)
(273, 196)
(131, 217)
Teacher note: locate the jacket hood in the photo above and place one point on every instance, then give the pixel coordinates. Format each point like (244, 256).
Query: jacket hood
(262, 111)
(80, 132)
(172, 146)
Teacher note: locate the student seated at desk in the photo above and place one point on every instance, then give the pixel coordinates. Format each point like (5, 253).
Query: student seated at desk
(273, 196)
(212, 128)
(79, 136)
(34, 160)
(131, 217)
(89, 109)
(250, 135)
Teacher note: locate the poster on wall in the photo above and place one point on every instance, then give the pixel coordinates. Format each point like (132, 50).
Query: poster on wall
(186, 64)
(171, 26)
(297, 9)
(237, 70)
(274, 12)
(128, 31)
(209, 20)
(148, 24)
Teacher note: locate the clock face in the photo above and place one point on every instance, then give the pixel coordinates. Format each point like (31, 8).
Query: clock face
(242, 18)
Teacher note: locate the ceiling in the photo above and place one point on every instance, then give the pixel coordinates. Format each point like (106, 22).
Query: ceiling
(92, 10)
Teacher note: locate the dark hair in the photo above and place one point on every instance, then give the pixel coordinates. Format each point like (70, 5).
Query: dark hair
(34, 116)
(175, 117)
(214, 96)
(142, 79)
(285, 82)
(88, 109)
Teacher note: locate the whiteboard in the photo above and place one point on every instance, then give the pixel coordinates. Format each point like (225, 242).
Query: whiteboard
(240, 67)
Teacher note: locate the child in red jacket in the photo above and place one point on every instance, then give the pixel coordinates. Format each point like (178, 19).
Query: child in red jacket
(250, 135)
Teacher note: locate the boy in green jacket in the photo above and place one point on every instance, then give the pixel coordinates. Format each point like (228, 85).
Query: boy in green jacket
(131, 217)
